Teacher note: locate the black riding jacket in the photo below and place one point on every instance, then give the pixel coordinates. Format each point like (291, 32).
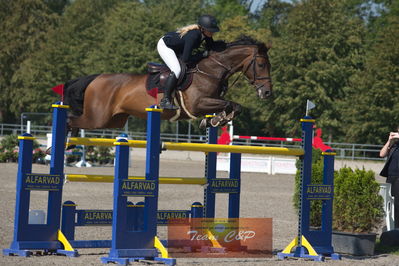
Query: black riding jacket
(391, 167)
(184, 46)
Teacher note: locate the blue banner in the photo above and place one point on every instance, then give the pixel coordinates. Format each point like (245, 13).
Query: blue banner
(224, 185)
(319, 192)
(45, 182)
(94, 217)
(164, 215)
(138, 188)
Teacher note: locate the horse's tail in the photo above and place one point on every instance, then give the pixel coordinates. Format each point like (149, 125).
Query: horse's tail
(72, 92)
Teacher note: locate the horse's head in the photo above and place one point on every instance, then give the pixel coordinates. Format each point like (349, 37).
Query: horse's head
(256, 67)
(251, 58)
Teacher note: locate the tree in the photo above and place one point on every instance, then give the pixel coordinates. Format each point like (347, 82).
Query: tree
(376, 111)
(60, 57)
(273, 15)
(314, 59)
(224, 9)
(23, 27)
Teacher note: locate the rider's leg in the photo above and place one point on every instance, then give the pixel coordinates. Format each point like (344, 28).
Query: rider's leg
(170, 59)
(167, 102)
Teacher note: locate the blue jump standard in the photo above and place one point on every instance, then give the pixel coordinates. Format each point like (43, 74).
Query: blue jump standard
(45, 237)
(313, 244)
(128, 245)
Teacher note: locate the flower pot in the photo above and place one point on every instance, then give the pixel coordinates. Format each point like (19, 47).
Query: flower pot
(357, 244)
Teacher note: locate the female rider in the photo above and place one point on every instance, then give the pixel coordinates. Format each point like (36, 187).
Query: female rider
(180, 45)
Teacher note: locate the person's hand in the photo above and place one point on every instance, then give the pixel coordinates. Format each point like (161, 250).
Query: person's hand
(393, 137)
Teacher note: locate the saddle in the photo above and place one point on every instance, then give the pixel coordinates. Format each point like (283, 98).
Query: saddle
(158, 74)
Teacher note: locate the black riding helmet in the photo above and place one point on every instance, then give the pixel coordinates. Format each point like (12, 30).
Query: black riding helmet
(209, 23)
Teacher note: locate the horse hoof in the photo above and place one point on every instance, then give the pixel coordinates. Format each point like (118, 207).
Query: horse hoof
(203, 123)
(217, 123)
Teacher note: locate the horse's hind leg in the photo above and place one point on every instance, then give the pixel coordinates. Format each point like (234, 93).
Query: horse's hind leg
(74, 133)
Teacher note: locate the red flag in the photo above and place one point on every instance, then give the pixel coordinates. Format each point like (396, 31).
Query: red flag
(59, 89)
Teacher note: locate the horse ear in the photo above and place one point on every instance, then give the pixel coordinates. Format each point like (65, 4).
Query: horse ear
(269, 44)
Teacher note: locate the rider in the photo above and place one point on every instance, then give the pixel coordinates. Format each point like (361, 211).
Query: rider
(180, 45)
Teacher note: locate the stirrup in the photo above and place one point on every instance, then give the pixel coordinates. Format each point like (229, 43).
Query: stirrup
(166, 104)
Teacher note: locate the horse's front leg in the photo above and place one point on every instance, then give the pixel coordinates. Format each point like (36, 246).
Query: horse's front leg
(225, 111)
(233, 110)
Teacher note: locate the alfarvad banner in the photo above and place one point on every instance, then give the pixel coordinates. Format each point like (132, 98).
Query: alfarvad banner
(218, 237)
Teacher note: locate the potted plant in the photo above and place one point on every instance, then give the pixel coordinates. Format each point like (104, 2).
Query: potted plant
(357, 211)
(357, 208)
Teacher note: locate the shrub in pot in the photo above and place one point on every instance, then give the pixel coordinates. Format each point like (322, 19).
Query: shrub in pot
(357, 211)
(357, 208)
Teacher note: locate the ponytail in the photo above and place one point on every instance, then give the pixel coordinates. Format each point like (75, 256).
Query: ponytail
(183, 30)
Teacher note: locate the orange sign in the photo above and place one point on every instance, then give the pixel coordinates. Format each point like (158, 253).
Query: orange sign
(218, 237)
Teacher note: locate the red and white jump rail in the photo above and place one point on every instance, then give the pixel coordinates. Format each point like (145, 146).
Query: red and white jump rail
(267, 138)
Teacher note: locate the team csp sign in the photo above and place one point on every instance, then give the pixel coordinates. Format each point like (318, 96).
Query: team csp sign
(221, 238)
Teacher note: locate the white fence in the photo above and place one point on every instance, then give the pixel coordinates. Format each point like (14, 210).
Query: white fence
(268, 164)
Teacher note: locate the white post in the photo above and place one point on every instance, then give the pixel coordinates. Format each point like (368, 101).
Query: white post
(28, 126)
(82, 162)
(231, 131)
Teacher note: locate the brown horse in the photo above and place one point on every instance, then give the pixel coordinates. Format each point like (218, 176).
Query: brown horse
(110, 98)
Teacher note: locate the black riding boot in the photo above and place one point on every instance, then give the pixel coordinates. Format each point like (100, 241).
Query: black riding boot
(166, 102)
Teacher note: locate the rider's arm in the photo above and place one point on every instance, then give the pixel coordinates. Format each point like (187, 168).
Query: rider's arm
(191, 39)
(209, 43)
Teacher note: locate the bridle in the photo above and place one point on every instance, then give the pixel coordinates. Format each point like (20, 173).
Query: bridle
(255, 78)
(229, 71)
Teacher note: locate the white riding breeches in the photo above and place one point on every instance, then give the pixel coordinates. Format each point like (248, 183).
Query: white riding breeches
(169, 57)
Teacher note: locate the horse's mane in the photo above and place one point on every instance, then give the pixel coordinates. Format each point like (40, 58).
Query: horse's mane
(242, 40)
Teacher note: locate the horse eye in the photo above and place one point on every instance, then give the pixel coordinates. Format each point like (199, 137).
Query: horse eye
(261, 65)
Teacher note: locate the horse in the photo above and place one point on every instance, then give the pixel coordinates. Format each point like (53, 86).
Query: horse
(109, 99)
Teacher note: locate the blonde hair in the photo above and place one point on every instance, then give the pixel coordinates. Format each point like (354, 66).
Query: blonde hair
(183, 30)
